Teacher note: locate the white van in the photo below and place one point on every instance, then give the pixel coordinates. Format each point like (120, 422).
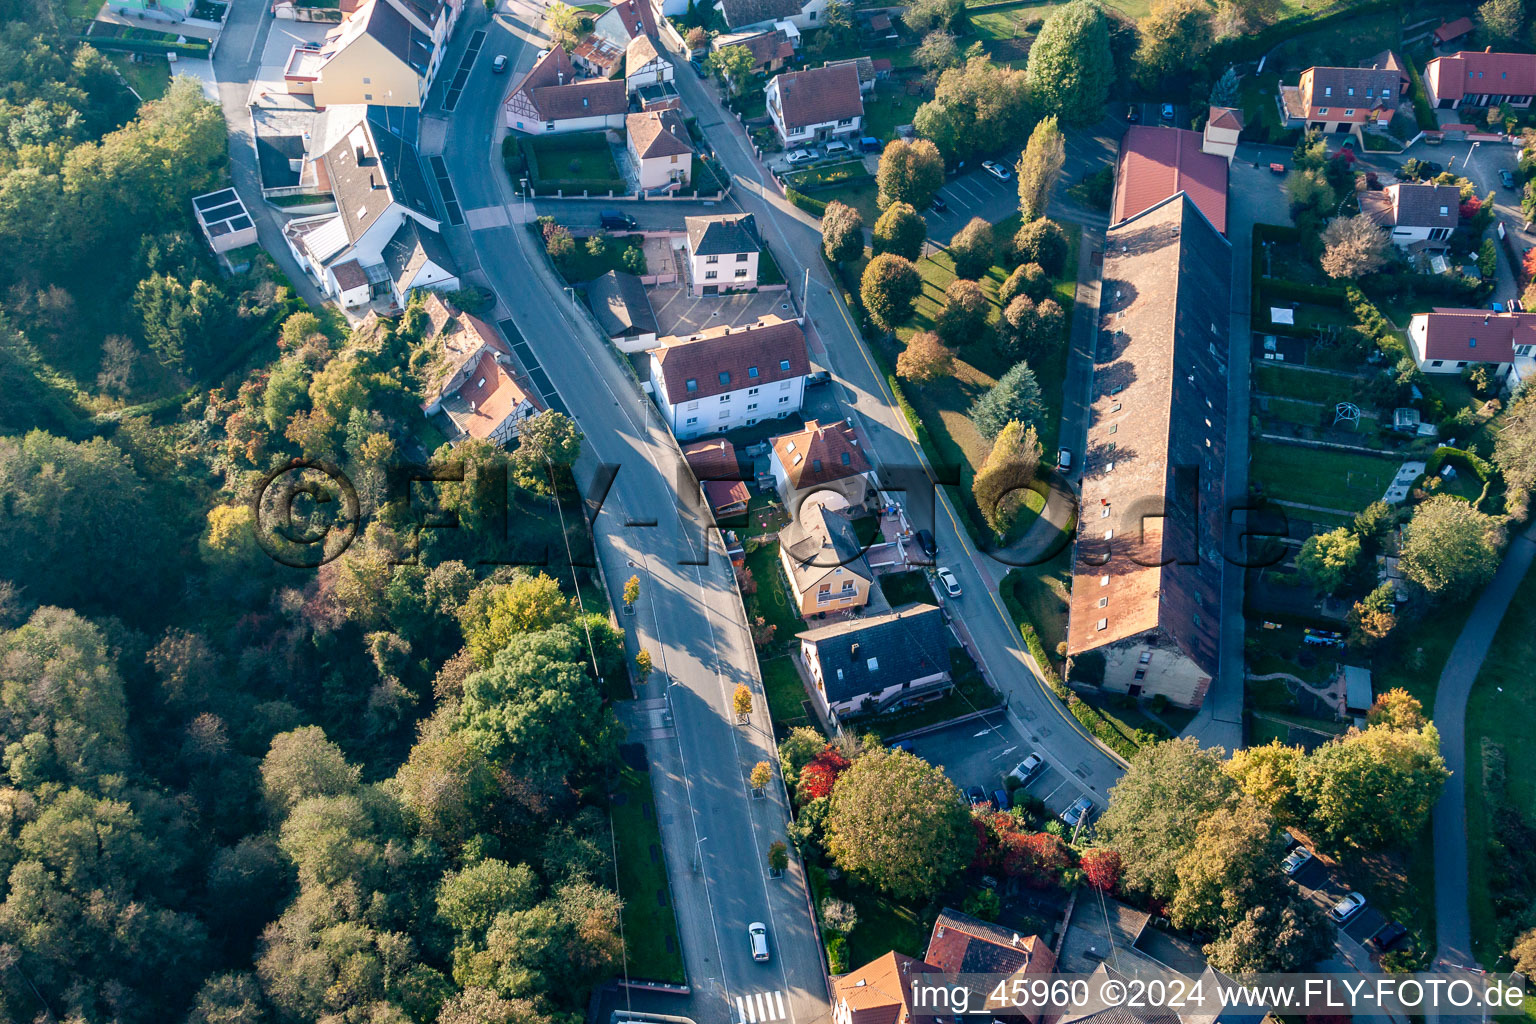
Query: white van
(757, 938)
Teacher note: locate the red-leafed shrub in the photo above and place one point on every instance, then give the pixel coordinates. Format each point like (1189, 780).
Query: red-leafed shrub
(819, 776)
(1103, 869)
(1036, 858)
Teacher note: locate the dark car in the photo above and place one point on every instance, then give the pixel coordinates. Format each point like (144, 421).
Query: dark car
(1507, 179)
(817, 377)
(977, 797)
(499, 65)
(938, 205)
(613, 220)
(1133, 113)
(1000, 799)
(1167, 111)
(698, 68)
(925, 541)
(870, 144)
(1390, 935)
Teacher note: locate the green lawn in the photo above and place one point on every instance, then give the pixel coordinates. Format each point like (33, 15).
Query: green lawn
(1037, 595)
(1500, 710)
(884, 923)
(771, 600)
(827, 174)
(1315, 476)
(583, 266)
(582, 156)
(781, 681)
(1306, 385)
(651, 944)
(149, 78)
(768, 271)
(888, 108)
(910, 587)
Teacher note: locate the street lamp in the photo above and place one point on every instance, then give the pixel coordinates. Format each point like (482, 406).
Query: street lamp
(698, 855)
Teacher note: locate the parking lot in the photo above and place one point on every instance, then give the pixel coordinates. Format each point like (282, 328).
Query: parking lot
(679, 313)
(1320, 885)
(982, 751)
(972, 194)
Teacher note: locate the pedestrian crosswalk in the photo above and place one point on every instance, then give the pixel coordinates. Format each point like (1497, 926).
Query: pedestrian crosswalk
(759, 1007)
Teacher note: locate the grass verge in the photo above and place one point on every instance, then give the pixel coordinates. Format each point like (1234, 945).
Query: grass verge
(650, 927)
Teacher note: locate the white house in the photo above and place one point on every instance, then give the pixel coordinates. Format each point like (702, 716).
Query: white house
(644, 65)
(551, 100)
(1223, 128)
(728, 377)
(385, 51)
(474, 380)
(816, 105)
(823, 458)
(1449, 340)
(383, 241)
(760, 15)
(1415, 214)
(657, 141)
(723, 253)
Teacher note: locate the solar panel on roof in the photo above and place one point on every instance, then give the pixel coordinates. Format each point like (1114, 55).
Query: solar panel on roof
(239, 223)
(222, 196)
(224, 212)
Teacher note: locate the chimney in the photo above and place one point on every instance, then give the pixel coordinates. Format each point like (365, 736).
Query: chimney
(560, 77)
(1487, 49)
(1016, 939)
(853, 652)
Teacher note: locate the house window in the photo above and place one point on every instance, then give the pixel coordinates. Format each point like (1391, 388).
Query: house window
(1104, 512)
(1103, 581)
(1109, 534)
(1322, 110)
(1471, 343)
(549, 126)
(752, 371)
(367, 81)
(1461, 364)
(741, 274)
(710, 275)
(725, 377)
(753, 391)
(784, 400)
(1101, 624)
(369, 97)
(825, 588)
(1349, 113)
(692, 384)
(725, 398)
(741, 257)
(1114, 428)
(784, 365)
(1141, 673)
(751, 407)
(692, 420)
(1445, 211)
(784, 385)
(712, 259)
(844, 122)
(1146, 656)
(1350, 90)
(692, 406)
(1437, 362)
(1103, 602)
(1327, 90)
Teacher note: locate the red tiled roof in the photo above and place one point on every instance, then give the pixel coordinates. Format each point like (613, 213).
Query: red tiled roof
(1157, 162)
(819, 95)
(1475, 72)
(1229, 118)
(879, 992)
(1476, 335)
(1453, 30)
(495, 395)
(726, 494)
(657, 133)
(580, 99)
(774, 348)
(714, 459)
(820, 454)
(1353, 95)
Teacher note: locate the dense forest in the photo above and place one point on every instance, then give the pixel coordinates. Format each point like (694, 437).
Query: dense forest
(235, 791)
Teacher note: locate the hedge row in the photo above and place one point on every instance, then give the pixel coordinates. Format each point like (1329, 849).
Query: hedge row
(1422, 111)
(1315, 294)
(1107, 734)
(1471, 460)
(199, 48)
(812, 206)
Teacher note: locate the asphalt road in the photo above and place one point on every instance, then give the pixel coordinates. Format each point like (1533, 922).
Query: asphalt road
(689, 615)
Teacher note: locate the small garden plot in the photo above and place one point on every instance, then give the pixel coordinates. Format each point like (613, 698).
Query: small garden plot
(903, 588)
(827, 175)
(650, 926)
(889, 108)
(584, 265)
(581, 161)
(1345, 481)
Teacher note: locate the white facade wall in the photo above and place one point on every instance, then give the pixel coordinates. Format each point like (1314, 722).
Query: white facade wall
(732, 273)
(571, 124)
(692, 418)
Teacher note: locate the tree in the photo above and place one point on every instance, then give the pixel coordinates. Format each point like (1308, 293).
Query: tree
(1027, 279)
(837, 31)
(1326, 560)
(741, 702)
(1015, 396)
(1230, 866)
(898, 823)
(761, 775)
(302, 764)
(778, 852)
(1374, 522)
(1240, 17)
(697, 38)
(631, 590)
(495, 614)
(1042, 242)
(643, 665)
(975, 107)
(889, 287)
(1285, 934)
(1354, 246)
(1396, 709)
(470, 900)
(928, 16)
(901, 231)
(819, 777)
(1070, 67)
(547, 445)
(963, 318)
(1031, 330)
(1039, 168)
(1523, 952)
(1102, 868)
(842, 232)
(1174, 35)
(1037, 858)
(1226, 91)
(1449, 547)
(838, 915)
(937, 53)
(1308, 191)
(564, 23)
(1373, 618)
(1156, 808)
(1502, 19)
(973, 249)
(1009, 469)
(796, 751)
(559, 244)
(911, 171)
(1268, 775)
(924, 358)
(181, 322)
(733, 65)
(1514, 449)
(1371, 790)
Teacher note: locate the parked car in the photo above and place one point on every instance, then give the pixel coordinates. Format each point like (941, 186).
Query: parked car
(870, 144)
(499, 65)
(938, 205)
(977, 797)
(1506, 179)
(1000, 799)
(757, 939)
(947, 578)
(1026, 768)
(925, 541)
(1277, 168)
(1063, 459)
(1388, 936)
(799, 156)
(1080, 811)
(1348, 907)
(1295, 860)
(1291, 842)
(837, 147)
(902, 745)
(613, 220)
(1167, 111)
(540, 56)
(698, 68)
(818, 377)
(996, 169)
(1133, 113)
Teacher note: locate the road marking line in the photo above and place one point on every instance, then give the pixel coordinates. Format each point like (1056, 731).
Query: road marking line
(741, 1012)
(778, 999)
(763, 1008)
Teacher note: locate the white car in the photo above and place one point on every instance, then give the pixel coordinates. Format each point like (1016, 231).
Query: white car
(1295, 860)
(799, 156)
(1027, 767)
(951, 585)
(757, 937)
(541, 56)
(1348, 907)
(996, 169)
(838, 147)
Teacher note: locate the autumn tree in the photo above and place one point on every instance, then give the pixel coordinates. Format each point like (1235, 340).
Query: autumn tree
(1371, 790)
(1102, 868)
(524, 604)
(1044, 243)
(999, 485)
(1326, 560)
(631, 590)
(901, 231)
(1174, 34)
(898, 823)
(1502, 20)
(741, 702)
(1267, 774)
(963, 317)
(1027, 279)
(842, 232)
(1353, 246)
(733, 65)
(889, 287)
(1286, 933)
(1039, 168)
(977, 107)
(1449, 547)
(1030, 329)
(1514, 450)
(548, 445)
(1239, 17)
(1070, 67)
(1373, 618)
(778, 855)
(911, 171)
(643, 665)
(761, 775)
(1396, 709)
(820, 775)
(564, 23)
(924, 358)
(1015, 396)
(1230, 866)
(937, 53)
(973, 249)
(796, 751)
(933, 15)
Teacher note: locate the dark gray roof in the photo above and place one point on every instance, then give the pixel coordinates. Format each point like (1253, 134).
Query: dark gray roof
(389, 169)
(274, 153)
(822, 543)
(723, 235)
(862, 656)
(1420, 206)
(620, 304)
(750, 12)
(409, 250)
(397, 35)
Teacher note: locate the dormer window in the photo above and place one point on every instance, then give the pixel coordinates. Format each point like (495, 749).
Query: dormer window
(784, 364)
(1471, 343)
(752, 371)
(725, 377)
(692, 384)
(847, 459)
(1327, 90)
(1445, 211)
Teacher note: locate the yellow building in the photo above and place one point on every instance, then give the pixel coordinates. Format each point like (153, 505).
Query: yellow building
(376, 56)
(822, 557)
